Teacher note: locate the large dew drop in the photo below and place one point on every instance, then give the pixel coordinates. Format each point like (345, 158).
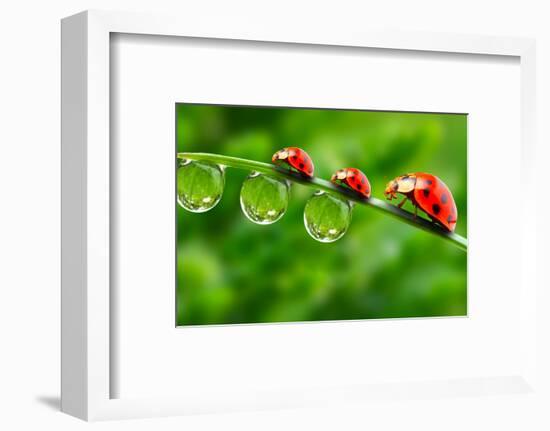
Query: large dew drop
(200, 185)
(264, 199)
(327, 217)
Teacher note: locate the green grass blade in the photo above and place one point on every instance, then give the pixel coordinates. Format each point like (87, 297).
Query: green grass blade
(321, 184)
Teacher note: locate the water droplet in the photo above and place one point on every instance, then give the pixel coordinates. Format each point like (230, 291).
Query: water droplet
(327, 217)
(264, 199)
(200, 185)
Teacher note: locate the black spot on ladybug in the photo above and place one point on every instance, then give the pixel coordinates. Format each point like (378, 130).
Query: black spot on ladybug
(362, 181)
(436, 208)
(430, 182)
(449, 218)
(426, 192)
(444, 198)
(301, 166)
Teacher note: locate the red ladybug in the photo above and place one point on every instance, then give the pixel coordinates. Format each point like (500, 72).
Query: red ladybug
(354, 179)
(428, 193)
(296, 159)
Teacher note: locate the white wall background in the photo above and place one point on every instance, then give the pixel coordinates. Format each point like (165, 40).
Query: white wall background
(30, 200)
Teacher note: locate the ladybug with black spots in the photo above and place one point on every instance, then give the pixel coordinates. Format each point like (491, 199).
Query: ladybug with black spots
(353, 179)
(296, 159)
(428, 193)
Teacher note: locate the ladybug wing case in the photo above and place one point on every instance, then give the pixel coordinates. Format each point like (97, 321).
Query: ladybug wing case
(300, 161)
(435, 198)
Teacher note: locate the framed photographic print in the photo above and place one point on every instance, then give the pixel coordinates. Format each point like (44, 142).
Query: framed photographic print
(267, 218)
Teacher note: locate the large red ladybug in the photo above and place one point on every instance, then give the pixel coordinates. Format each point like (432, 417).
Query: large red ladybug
(354, 179)
(296, 159)
(428, 193)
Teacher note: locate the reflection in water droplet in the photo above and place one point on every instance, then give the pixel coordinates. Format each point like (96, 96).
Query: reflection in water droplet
(327, 217)
(200, 185)
(264, 199)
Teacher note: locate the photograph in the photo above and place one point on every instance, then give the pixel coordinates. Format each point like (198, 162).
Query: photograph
(291, 214)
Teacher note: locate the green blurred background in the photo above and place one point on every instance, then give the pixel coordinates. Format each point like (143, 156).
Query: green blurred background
(230, 270)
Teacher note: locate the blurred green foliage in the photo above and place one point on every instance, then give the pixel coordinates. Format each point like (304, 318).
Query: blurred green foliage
(230, 270)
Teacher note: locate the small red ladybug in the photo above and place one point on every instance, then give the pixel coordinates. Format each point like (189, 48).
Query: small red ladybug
(428, 193)
(354, 179)
(296, 159)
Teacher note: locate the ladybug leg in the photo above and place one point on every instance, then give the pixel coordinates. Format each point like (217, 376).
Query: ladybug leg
(400, 204)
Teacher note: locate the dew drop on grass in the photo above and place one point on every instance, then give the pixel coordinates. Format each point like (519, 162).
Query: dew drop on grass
(264, 199)
(200, 185)
(327, 217)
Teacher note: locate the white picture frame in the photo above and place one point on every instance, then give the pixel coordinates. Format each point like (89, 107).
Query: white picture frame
(88, 340)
